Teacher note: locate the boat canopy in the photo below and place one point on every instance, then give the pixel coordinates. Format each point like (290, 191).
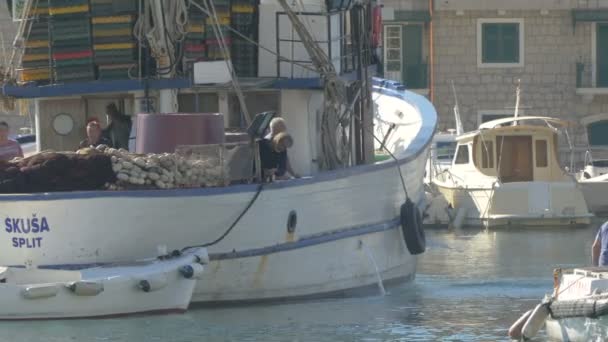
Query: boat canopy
(500, 122)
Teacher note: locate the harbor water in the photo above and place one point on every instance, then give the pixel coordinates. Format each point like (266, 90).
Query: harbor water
(470, 286)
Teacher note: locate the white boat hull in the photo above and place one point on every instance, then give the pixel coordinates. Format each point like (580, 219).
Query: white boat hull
(347, 223)
(28, 294)
(520, 203)
(596, 196)
(579, 329)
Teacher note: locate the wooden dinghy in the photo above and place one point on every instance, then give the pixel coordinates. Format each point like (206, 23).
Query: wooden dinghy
(163, 284)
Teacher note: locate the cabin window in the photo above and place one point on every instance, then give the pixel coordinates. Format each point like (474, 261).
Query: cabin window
(462, 155)
(500, 42)
(445, 150)
(541, 153)
(487, 154)
(598, 133)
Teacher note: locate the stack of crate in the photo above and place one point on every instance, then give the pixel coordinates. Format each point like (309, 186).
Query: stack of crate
(194, 42)
(71, 43)
(213, 41)
(115, 47)
(35, 61)
(245, 53)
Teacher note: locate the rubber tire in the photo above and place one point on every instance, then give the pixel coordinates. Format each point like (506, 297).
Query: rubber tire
(411, 225)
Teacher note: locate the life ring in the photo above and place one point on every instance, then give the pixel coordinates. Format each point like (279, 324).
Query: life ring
(411, 225)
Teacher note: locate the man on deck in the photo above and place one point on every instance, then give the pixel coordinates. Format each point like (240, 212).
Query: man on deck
(119, 129)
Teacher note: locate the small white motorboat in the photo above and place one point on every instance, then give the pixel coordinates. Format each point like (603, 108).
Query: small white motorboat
(577, 310)
(593, 182)
(163, 284)
(594, 190)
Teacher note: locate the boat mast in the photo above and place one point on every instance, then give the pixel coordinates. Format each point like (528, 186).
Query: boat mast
(459, 129)
(517, 99)
(163, 24)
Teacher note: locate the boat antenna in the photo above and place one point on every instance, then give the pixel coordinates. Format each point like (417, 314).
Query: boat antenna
(517, 99)
(459, 129)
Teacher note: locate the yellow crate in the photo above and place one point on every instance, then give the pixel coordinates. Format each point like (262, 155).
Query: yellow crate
(121, 19)
(117, 46)
(35, 57)
(29, 75)
(243, 8)
(36, 43)
(198, 28)
(223, 20)
(69, 10)
(112, 33)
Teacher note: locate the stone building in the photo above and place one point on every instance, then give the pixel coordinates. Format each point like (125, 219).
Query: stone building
(558, 49)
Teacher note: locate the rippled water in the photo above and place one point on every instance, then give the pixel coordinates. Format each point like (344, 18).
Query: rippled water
(470, 286)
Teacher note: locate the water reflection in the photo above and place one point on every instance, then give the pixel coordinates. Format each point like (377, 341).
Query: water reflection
(471, 285)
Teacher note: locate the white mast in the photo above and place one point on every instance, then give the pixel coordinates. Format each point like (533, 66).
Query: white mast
(517, 98)
(459, 129)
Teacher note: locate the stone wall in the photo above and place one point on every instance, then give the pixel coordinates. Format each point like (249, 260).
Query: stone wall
(548, 78)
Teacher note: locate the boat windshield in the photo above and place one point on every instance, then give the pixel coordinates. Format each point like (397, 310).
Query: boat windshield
(445, 150)
(600, 163)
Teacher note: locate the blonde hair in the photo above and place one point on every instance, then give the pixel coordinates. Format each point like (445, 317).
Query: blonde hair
(277, 125)
(283, 138)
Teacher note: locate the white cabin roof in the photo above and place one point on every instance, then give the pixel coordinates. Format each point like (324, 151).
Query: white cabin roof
(499, 122)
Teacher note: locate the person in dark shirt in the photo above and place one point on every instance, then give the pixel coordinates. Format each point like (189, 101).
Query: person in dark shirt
(94, 136)
(119, 129)
(274, 159)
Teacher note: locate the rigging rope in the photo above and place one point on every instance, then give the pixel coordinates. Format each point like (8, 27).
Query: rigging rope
(210, 7)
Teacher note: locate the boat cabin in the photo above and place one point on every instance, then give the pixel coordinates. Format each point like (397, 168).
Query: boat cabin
(512, 150)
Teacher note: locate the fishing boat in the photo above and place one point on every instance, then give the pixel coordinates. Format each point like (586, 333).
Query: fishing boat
(576, 310)
(350, 223)
(507, 172)
(148, 286)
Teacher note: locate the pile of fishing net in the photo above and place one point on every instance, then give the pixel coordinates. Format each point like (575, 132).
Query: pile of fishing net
(163, 171)
(51, 171)
(113, 169)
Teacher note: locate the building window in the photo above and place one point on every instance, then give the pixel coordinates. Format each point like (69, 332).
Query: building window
(601, 55)
(392, 52)
(598, 133)
(462, 155)
(500, 42)
(487, 155)
(541, 153)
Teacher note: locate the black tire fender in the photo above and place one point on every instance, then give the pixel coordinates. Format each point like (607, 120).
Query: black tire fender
(411, 225)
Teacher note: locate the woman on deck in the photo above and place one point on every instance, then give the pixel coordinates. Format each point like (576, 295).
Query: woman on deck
(273, 152)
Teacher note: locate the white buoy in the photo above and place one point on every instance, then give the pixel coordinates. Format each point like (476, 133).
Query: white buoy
(535, 321)
(86, 288)
(40, 291)
(515, 331)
